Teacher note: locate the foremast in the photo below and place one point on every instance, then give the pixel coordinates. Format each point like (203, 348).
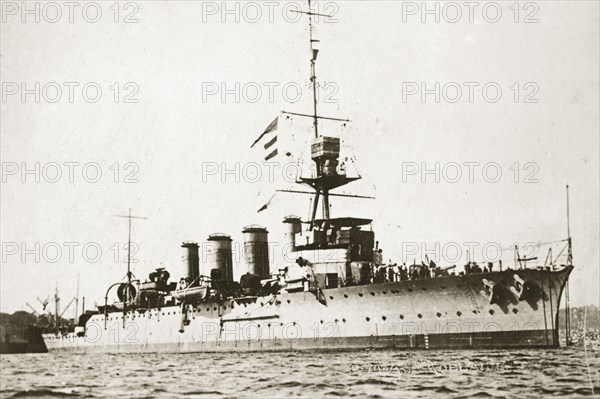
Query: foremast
(325, 150)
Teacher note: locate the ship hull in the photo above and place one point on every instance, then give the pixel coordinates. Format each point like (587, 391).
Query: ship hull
(21, 340)
(450, 312)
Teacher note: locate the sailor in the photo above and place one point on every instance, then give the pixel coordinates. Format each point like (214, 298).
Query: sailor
(332, 235)
(396, 272)
(424, 270)
(490, 265)
(378, 256)
(403, 272)
(468, 268)
(380, 274)
(301, 261)
(390, 274)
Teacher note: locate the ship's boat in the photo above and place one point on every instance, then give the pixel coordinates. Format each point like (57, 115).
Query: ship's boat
(191, 294)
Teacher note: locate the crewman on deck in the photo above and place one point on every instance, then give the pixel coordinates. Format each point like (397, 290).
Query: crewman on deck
(403, 272)
(396, 272)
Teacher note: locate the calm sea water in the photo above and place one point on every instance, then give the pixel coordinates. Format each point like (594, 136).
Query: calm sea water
(369, 374)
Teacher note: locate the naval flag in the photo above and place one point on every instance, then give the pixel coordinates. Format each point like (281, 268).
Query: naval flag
(271, 139)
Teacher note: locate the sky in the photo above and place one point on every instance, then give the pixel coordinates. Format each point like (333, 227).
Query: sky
(153, 106)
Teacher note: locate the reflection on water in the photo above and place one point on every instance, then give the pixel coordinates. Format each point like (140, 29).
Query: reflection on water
(373, 374)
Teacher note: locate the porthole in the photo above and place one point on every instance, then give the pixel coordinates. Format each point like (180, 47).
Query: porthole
(368, 319)
(419, 315)
(475, 311)
(208, 309)
(360, 294)
(515, 310)
(383, 318)
(321, 321)
(288, 301)
(459, 313)
(491, 311)
(438, 314)
(402, 316)
(330, 297)
(343, 320)
(337, 321)
(384, 292)
(345, 296)
(410, 290)
(372, 294)
(215, 308)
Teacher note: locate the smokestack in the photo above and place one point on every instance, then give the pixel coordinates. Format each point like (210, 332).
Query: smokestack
(220, 258)
(294, 226)
(191, 262)
(256, 250)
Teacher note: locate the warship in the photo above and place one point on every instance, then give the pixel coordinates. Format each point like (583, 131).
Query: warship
(340, 296)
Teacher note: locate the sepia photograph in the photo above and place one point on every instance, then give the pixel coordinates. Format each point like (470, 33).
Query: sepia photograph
(306, 198)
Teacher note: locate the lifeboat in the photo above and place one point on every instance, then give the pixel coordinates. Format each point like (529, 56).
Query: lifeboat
(191, 294)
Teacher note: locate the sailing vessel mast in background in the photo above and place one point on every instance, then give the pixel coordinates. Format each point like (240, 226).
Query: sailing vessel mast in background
(569, 263)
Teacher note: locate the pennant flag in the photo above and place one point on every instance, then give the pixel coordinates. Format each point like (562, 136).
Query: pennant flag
(272, 127)
(272, 154)
(271, 138)
(265, 206)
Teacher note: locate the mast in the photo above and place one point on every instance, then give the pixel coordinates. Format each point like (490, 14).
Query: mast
(569, 263)
(56, 307)
(76, 300)
(128, 286)
(569, 249)
(313, 71)
(325, 150)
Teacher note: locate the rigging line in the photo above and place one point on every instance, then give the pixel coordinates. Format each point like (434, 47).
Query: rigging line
(538, 244)
(318, 116)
